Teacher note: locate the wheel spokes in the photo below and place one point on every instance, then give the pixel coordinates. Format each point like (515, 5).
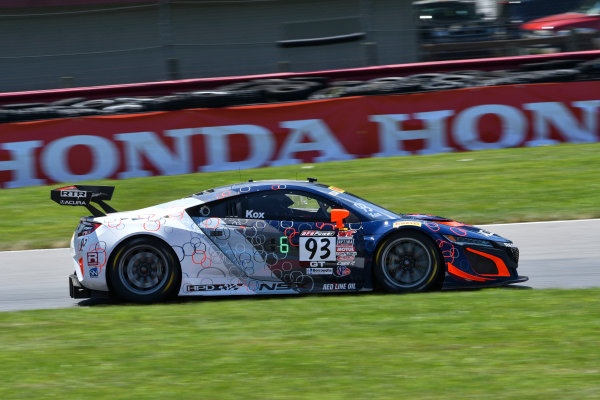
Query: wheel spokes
(407, 262)
(143, 269)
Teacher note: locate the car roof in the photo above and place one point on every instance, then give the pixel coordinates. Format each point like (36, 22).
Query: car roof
(254, 186)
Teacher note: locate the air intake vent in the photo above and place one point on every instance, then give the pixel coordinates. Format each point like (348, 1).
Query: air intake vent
(481, 265)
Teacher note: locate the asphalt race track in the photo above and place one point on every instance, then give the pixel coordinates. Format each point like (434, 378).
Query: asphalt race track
(559, 254)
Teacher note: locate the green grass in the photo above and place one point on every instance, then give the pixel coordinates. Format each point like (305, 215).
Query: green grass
(509, 185)
(490, 344)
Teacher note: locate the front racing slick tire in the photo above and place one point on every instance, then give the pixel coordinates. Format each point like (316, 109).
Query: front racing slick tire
(408, 262)
(144, 270)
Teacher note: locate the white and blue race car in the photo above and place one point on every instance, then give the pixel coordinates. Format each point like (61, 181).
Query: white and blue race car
(274, 237)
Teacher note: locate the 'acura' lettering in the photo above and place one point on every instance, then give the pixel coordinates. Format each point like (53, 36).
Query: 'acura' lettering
(254, 214)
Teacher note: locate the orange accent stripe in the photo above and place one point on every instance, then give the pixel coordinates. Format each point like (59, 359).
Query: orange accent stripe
(455, 271)
(502, 269)
(81, 266)
(450, 223)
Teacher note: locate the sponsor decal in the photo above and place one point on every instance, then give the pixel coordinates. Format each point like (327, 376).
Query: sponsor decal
(342, 270)
(73, 194)
(92, 258)
(485, 233)
(346, 238)
(82, 243)
(93, 272)
(345, 251)
(339, 286)
(319, 271)
(406, 223)
(214, 287)
(509, 244)
(346, 248)
(318, 233)
(254, 214)
(335, 189)
(72, 202)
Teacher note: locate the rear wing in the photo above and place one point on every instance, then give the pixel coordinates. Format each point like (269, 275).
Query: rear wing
(84, 195)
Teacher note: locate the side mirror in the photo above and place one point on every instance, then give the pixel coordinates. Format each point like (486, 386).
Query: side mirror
(337, 217)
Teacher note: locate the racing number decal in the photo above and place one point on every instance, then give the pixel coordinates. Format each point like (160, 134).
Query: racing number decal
(284, 247)
(317, 248)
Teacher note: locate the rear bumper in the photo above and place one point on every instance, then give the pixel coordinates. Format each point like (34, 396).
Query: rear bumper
(77, 290)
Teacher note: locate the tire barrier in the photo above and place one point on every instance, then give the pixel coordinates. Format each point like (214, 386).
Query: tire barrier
(261, 91)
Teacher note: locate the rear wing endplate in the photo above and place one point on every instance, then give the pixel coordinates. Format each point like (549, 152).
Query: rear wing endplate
(84, 195)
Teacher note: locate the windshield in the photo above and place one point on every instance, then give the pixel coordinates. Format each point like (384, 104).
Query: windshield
(372, 210)
(590, 7)
(447, 12)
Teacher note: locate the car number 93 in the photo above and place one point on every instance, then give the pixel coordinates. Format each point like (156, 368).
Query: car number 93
(317, 248)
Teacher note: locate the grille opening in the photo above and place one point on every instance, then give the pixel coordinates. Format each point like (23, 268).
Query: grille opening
(513, 253)
(481, 265)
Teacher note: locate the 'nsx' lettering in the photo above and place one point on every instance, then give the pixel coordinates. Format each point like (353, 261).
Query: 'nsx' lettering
(254, 214)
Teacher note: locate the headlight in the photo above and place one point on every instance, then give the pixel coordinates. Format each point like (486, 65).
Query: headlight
(468, 241)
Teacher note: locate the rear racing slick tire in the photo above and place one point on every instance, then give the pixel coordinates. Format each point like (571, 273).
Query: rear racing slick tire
(144, 270)
(408, 262)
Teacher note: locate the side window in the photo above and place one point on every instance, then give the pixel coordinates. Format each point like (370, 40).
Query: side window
(288, 205)
(216, 209)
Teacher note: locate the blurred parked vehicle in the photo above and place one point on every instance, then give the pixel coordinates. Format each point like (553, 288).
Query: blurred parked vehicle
(453, 21)
(513, 13)
(585, 19)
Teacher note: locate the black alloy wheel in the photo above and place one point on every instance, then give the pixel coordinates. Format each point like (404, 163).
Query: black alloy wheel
(408, 262)
(144, 270)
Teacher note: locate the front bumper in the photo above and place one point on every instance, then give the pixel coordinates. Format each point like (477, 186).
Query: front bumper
(483, 285)
(471, 265)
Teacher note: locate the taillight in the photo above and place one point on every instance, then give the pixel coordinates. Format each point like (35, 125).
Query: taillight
(85, 228)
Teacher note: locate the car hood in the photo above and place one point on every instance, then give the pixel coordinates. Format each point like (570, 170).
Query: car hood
(449, 226)
(561, 21)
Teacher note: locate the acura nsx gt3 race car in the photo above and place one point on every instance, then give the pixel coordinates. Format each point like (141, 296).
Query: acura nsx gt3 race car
(274, 237)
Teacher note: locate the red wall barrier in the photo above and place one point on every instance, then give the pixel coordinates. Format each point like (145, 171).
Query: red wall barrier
(169, 87)
(186, 141)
